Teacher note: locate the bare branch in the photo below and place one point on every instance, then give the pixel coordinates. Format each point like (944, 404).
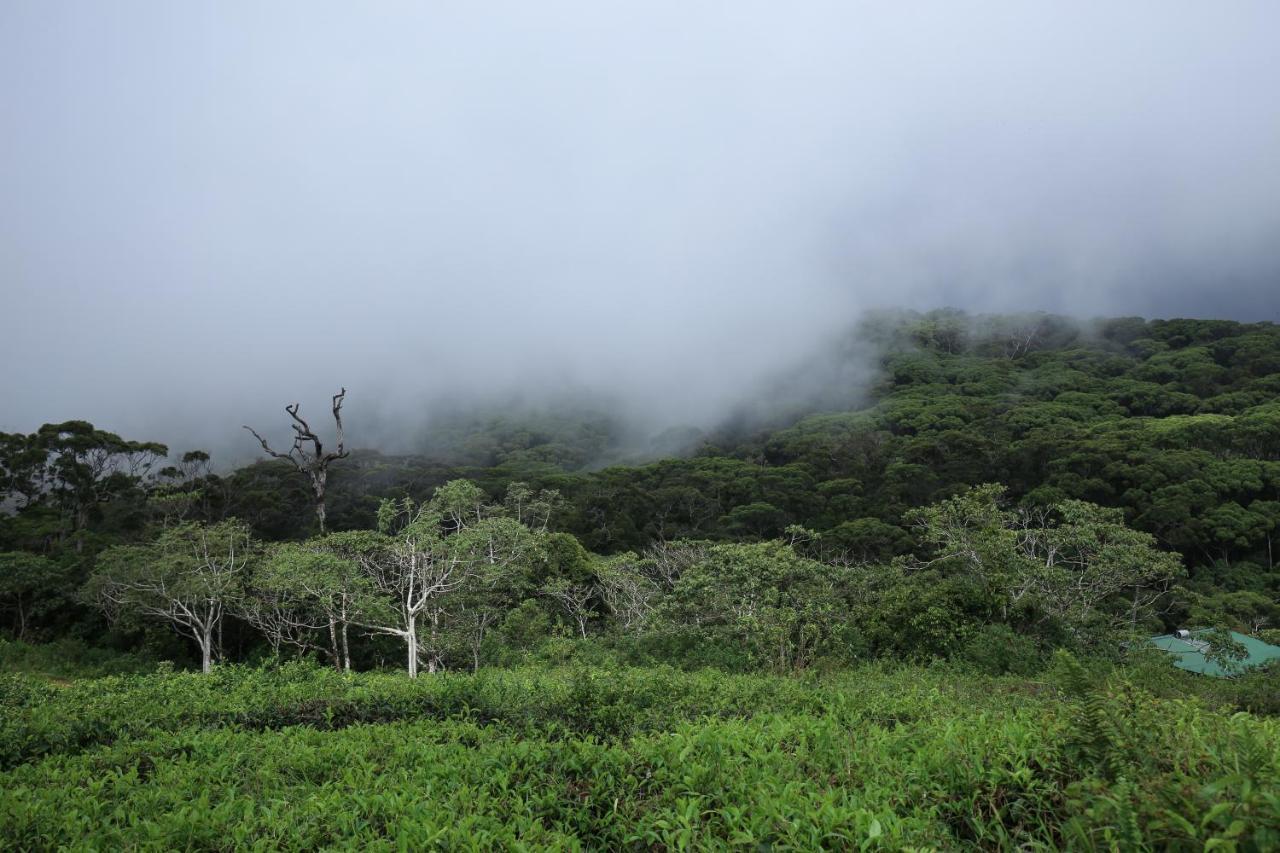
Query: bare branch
(314, 462)
(268, 449)
(341, 452)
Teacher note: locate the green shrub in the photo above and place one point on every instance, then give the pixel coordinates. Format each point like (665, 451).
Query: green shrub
(585, 757)
(997, 650)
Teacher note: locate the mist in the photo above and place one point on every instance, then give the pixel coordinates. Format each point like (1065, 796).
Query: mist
(209, 211)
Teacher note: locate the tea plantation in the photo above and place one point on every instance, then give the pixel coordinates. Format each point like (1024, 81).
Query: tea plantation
(877, 757)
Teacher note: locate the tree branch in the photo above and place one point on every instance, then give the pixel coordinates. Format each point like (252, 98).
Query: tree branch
(271, 452)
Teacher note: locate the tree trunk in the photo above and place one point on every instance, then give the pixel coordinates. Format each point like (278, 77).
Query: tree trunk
(206, 650)
(411, 639)
(334, 652)
(22, 619)
(346, 650)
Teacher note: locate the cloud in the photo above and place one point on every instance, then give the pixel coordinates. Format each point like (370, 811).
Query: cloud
(206, 212)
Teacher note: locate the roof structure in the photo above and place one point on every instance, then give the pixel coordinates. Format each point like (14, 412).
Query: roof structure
(1189, 654)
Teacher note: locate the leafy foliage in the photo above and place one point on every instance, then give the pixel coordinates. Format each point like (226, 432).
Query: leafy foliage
(632, 759)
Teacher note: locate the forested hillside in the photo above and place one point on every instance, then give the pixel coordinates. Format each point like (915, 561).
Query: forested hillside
(1145, 455)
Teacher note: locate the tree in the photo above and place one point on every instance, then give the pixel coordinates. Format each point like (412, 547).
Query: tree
(629, 590)
(975, 534)
(1223, 649)
(335, 587)
(1246, 611)
(189, 577)
(668, 561)
(74, 468)
(759, 519)
(497, 587)
(30, 586)
(425, 553)
(474, 621)
(304, 588)
(762, 600)
(501, 552)
(1075, 563)
(188, 487)
(573, 598)
(863, 540)
(532, 509)
(22, 464)
(313, 462)
(282, 615)
(1085, 559)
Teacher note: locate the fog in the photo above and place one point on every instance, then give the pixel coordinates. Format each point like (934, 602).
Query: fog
(209, 210)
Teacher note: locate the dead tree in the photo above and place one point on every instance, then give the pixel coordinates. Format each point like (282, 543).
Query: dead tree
(313, 461)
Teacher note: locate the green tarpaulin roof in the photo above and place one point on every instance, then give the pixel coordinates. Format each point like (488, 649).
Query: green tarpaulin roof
(1190, 654)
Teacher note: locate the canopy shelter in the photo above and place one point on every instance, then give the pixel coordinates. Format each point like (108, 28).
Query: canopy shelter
(1189, 650)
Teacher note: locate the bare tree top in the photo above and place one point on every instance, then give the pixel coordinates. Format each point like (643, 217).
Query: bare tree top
(302, 457)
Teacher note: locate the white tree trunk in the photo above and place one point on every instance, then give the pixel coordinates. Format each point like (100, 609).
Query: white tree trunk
(206, 650)
(333, 647)
(411, 640)
(346, 650)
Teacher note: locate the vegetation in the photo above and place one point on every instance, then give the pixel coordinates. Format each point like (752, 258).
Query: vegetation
(906, 615)
(604, 758)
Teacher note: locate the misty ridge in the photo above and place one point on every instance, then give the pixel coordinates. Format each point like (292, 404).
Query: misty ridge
(580, 428)
(584, 429)
(651, 212)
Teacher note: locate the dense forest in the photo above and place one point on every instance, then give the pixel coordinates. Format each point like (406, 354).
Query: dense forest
(906, 613)
(1013, 483)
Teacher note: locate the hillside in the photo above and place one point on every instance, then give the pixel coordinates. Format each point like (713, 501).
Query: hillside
(1176, 422)
(1173, 423)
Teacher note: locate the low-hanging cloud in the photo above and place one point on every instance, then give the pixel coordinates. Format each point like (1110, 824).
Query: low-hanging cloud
(207, 211)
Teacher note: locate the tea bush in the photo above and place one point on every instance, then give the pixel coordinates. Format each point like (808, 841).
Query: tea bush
(605, 702)
(578, 758)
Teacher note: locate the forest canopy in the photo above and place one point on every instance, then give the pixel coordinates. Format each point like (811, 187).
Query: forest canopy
(1030, 479)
